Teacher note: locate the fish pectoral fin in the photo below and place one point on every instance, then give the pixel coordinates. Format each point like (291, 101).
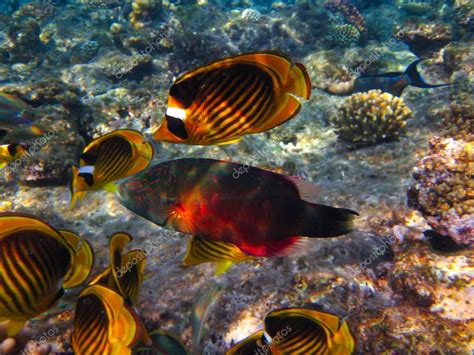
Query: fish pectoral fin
(110, 187)
(223, 266)
(288, 109)
(14, 326)
(81, 265)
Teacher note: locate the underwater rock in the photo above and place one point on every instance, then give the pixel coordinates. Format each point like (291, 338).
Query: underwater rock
(418, 7)
(444, 188)
(464, 20)
(344, 35)
(118, 67)
(144, 10)
(27, 45)
(371, 118)
(84, 52)
(348, 11)
(426, 39)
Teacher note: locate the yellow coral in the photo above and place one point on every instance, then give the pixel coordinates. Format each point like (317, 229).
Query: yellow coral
(371, 117)
(144, 10)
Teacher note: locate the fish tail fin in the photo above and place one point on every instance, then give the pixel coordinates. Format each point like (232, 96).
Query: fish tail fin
(222, 267)
(415, 77)
(330, 221)
(343, 341)
(298, 82)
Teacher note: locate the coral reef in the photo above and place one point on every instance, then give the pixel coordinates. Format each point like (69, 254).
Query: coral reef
(348, 11)
(371, 118)
(418, 7)
(344, 35)
(426, 39)
(251, 15)
(444, 188)
(144, 10)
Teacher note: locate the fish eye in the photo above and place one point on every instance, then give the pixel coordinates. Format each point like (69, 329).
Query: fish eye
(177, 127)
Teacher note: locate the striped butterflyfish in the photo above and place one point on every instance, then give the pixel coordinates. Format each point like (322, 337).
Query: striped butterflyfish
(111, 157)
(10, 152)
(202, 250)
(164, 342)
(126, 271)
(104, 323)
(37, 262)
(250, 345)
(220, 102)
(305, 331)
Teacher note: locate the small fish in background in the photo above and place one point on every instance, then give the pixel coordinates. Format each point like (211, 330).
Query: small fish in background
(220, 102)
(21, 134)
(111, 157)
(163, 343)
(442, 243)
(202, 250)
(126, 272)
(13, 110)
(299, 331)
(38, 262)
(9, 153)
(262, 213)
(393, 83)
(105, 324)
(204, 302)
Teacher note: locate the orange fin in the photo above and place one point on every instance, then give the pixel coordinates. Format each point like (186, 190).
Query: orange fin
(289, 108)
(298, 82)
(82, 261)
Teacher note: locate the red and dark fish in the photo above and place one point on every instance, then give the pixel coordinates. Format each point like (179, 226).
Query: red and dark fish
(261, 212)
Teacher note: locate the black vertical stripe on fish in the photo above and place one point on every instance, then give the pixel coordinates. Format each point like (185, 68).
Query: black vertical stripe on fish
(176, 126)
(88, 178)
(209, 84)
(91, 316)
(253, 113)
(114, 158)
(13, 149)
(186, 91)
(245, 113)
(232, 103)
(220, 97)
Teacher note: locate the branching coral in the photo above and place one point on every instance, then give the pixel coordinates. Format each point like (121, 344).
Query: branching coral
(348, 11)
(371, 117)
(344, 35)
(444, 188)
(144, 10)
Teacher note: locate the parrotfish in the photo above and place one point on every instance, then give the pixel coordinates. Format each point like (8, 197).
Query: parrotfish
(37, 263)
(298, 331)
(394, 82)
(220, 102)
(262, 213)
(10, 152)
(126, 271)
(13, 110)
(105, 324)
(111, 157)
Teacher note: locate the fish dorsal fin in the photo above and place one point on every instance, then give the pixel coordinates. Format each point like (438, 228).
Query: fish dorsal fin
(306, 190)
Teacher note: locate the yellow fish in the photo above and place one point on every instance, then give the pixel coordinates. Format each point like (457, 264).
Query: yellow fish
(126, 272)
(37, 262)
(111, 157)
(220, 102)
(202, 250)
(10, 152)
(299, 331)
(105, 324)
